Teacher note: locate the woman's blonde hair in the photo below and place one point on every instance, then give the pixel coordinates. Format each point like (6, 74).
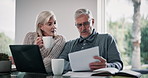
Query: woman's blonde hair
(43, 18)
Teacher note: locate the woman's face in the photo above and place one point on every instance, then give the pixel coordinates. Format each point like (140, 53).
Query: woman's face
(49, 29)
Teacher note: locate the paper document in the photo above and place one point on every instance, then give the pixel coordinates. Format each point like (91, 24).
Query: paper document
(79, 61)
(78, 74)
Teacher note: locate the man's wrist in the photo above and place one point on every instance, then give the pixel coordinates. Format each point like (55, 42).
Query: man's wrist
(110, 65)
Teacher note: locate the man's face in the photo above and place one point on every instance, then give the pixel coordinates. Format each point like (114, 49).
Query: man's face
(84, 25)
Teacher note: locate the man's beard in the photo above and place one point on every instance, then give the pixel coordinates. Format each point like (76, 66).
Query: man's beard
(84, 31)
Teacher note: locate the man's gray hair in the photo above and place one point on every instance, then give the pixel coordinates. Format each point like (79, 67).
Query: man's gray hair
(80, 12)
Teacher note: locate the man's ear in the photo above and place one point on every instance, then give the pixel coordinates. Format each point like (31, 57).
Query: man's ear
(93, 21)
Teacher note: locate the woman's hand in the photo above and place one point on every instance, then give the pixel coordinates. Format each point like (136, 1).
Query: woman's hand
(39, 42)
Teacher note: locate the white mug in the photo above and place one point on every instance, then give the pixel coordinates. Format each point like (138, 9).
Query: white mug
(57, 66)
(48, 41)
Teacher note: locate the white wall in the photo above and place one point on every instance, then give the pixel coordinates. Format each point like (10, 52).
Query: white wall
(27, 10)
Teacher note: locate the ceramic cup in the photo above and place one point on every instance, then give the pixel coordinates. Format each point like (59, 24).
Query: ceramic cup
(57, 66)
(48, 41)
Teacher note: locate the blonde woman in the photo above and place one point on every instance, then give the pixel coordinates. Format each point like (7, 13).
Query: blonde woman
(46, 26)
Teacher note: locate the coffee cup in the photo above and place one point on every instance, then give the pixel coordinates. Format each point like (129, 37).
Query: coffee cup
(48, 41)
(57, 66)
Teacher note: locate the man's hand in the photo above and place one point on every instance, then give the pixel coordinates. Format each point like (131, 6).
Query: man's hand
(101, 63)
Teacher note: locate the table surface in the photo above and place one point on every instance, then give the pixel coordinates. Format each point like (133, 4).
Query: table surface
(39, 75)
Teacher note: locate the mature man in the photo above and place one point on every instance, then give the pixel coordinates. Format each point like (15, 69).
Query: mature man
(109, 54)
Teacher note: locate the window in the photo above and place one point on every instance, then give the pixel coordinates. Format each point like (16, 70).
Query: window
(7, 25)
(119, 22)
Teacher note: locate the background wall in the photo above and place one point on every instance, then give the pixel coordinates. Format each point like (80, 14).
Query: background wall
(27, 10)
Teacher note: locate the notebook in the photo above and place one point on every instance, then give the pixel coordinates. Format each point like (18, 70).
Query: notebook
(27, 58)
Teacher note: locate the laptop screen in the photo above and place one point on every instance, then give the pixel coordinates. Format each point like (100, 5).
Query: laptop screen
(27, 58)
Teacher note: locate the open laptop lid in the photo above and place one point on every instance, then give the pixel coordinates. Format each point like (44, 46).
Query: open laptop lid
(27, 58)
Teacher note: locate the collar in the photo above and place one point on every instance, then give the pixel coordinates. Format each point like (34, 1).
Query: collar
(90, 38)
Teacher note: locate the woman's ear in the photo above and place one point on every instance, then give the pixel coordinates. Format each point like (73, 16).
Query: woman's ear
(40, 26)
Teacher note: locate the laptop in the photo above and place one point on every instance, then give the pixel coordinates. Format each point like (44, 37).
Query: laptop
(27, 58)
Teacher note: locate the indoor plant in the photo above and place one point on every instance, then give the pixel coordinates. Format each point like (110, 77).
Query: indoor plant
(5, 63)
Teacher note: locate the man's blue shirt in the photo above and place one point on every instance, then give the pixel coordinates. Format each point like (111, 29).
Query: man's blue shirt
(107, 49)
